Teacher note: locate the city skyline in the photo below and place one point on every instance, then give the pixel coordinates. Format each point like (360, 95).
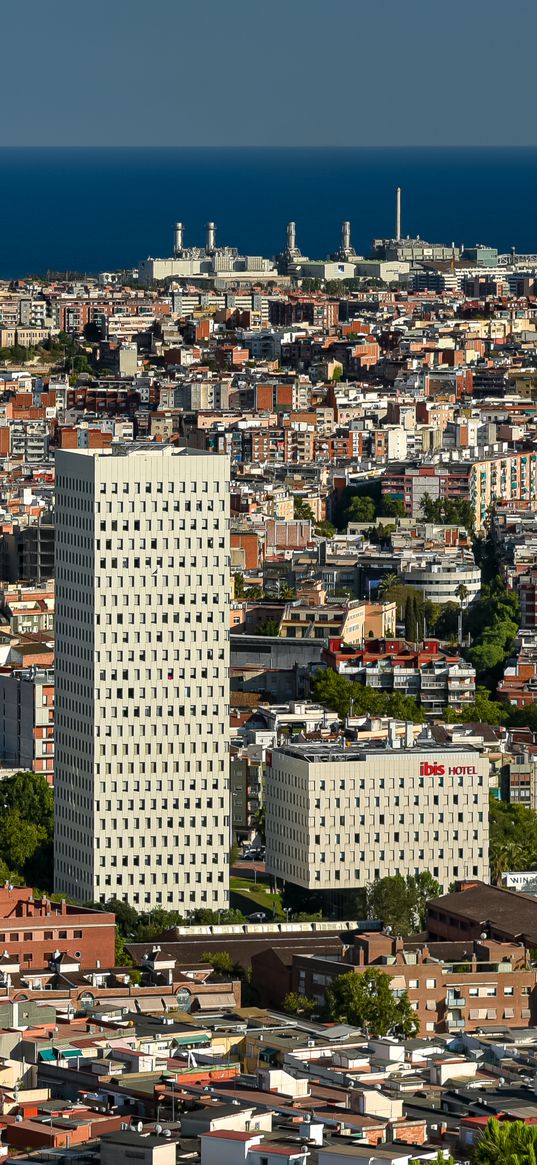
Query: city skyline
(386, 75)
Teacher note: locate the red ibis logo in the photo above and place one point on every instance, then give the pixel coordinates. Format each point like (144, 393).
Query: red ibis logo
(431, 769)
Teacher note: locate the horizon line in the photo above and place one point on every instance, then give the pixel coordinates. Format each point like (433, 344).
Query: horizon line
(267, 146)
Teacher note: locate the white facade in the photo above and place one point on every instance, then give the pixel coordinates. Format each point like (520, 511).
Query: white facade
(438, 577)
(339, 818)
(141, 778)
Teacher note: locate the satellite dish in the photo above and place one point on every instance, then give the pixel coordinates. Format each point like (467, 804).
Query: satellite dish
(167, 1133)
(139, 1127)
(158, 1129)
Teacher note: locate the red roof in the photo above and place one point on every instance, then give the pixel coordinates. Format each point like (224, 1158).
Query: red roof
(231, 1135)
(280, 1150)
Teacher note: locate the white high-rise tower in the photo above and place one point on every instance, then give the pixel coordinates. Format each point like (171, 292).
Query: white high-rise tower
(142, 597)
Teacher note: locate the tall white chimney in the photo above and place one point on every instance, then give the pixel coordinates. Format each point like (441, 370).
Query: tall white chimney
(346, 236)
(398, 213)
(211, 236)
(291, 236)
(178, 238)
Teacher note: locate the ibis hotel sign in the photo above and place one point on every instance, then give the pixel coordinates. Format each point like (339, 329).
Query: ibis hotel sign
(430, 768)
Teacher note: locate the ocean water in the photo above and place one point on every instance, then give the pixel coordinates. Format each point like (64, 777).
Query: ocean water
(90, 210)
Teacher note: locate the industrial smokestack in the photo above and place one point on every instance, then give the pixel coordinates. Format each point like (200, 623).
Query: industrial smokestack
(178, 238)
(211, 236)
(291, 236)
(346, 236)
(398, 213)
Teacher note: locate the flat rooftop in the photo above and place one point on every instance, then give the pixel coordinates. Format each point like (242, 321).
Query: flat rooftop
(131, 448)
(320, 751)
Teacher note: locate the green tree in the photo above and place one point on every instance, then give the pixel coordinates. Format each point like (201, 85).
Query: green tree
(389, 899)
(127, 918)
(361, 509)
(347, 697)
(512, 838)
(208, 917)
(295, 1004)
(366, 1000)
(268, 627)
(505, 856)
(411, 622)
(482, 710)
(122, 956)
(325, 529)
(462, 593)
(422, 887)
(259, 822)
(401, 902)
(301, 510)
(506, 1142)
(32, 796)
(386, 584)
(19, 839)
(391, 507)
(401, 707)
(220, 961)
(238, 585)
(310, 285)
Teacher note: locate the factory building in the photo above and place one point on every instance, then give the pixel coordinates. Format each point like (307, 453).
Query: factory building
(208, 263)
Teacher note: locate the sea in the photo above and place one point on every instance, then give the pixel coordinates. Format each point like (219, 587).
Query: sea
(87, 210)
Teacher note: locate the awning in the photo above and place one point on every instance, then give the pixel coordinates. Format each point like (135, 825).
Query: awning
(194, 1038)
(209, 1002)
(53, 1054)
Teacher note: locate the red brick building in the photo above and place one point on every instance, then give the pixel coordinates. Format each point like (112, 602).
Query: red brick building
(32, 930)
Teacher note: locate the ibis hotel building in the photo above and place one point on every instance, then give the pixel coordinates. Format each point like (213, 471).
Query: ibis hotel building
(337, 818)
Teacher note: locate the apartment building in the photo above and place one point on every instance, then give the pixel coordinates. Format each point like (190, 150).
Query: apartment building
(338, 817)
(519, 779)
(508, 475)
(351, 620)
(35, 930)
(453, 986)
(142, 787)
(27, 720)
(435, 677)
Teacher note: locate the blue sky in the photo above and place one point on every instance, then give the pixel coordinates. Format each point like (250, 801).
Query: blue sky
(288, 72)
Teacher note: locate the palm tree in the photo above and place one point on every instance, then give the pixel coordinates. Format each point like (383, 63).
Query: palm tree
(503, 857)
(386, 583)
(506, 1143)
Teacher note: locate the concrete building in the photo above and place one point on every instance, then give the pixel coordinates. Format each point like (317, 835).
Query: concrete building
(142, 787)
(338, 818)
(438, 576)
(27, 720)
